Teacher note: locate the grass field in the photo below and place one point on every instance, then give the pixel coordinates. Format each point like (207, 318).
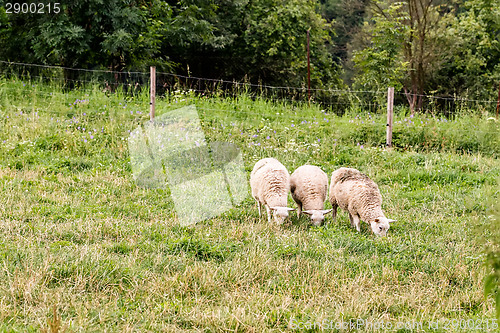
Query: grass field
(82, 248)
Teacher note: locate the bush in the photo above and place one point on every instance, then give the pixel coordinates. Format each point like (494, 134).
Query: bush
(492, 281)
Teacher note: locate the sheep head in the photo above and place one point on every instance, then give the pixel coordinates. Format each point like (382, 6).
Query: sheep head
(280, 213)
(380, 225)
(317, 215)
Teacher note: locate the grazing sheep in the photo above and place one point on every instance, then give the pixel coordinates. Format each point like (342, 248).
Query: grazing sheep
(360, 196)
(309, 185)
(270, 182)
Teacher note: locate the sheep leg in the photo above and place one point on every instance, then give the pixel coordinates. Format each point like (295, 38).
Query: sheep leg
(268, 213)
(259, 207)
(334, 212)
(350, 218)
(355, 221)
(299, 210)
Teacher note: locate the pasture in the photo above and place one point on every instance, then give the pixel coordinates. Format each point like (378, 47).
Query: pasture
(83, 249)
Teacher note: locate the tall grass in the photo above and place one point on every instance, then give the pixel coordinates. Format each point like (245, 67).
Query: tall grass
(78, 235)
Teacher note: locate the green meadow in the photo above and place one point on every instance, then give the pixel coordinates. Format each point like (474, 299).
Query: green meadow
(84, 249)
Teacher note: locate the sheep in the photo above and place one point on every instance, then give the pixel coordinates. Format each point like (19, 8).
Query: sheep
(270, 183)
(309, 186)
(360, 196)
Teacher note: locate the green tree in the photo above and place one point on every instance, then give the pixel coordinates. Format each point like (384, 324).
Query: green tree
(265, 41)
(470, 63)
(275, 39)
(346, 18)
(262, 40)
(402, 46)
(116, 34)
(381, 63)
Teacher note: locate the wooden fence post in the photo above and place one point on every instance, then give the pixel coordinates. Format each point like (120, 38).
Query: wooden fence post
(152, 71)
(308, 69)
(390, 115)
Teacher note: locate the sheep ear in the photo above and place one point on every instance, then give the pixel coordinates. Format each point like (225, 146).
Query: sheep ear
(391, 221)
(289, 208)
(326, 211)
(308, 212)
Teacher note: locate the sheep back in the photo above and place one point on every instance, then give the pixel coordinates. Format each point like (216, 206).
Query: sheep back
(309, 186)
(270, 182)
(357, 193)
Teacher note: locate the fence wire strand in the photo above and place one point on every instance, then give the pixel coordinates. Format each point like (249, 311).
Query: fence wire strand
(169, 83)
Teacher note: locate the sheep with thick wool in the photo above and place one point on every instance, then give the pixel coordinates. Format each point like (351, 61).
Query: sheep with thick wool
(359, 195)
(309, 186)
(270, 183)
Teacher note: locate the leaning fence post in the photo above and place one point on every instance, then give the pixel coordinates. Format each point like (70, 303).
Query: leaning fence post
(390, 114)
(152, 92)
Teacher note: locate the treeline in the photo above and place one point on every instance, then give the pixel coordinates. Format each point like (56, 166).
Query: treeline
(444, 48)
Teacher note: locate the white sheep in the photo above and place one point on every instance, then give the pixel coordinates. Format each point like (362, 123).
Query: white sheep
(360, 196)
(309, 185)
(270, 183)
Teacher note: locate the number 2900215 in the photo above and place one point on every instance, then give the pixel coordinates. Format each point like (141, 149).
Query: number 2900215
(32, 8)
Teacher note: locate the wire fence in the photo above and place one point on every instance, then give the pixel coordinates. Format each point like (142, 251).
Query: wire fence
(134, 82)
(71, 87)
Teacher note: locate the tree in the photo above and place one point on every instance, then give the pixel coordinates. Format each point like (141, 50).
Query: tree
(472, 48)
(115, 34)
(381, 62)
(265, 41)
(275, 39)
(403, 45)
(420, 50)
(346, 18)
(261, 40)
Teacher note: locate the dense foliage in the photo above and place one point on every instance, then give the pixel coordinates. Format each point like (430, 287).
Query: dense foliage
(419, 46)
